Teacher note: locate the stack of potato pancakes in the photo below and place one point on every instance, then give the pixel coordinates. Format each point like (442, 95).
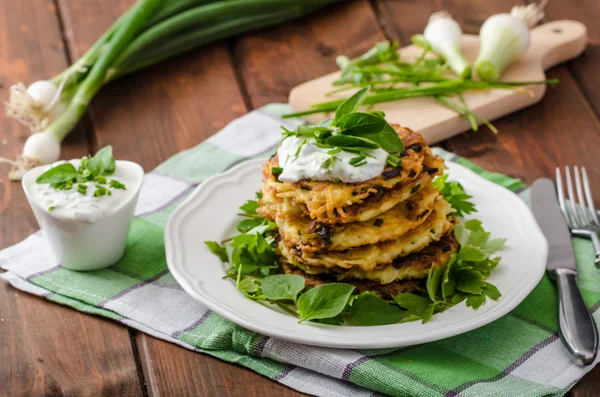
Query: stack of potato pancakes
(381, 235)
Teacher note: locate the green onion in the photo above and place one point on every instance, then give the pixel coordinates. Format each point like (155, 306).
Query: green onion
(149, 32)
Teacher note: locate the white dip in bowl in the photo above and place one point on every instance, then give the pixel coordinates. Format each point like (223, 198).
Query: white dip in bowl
(85, 232)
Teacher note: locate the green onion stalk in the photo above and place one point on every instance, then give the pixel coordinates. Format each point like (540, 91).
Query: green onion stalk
(440, 73)
(149, 32)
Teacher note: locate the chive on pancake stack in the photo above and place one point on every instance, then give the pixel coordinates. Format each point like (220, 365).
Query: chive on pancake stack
(381, 235)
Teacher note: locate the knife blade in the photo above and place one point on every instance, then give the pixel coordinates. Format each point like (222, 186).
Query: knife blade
(577, 327)
(549, 217)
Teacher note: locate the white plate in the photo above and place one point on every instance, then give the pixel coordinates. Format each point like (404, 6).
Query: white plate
(210, 214)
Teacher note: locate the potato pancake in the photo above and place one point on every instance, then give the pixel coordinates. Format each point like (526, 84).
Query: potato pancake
(310, 235)
(271, 206)
(369, 257)
(327, 199)
(381, 290)
(415, 265)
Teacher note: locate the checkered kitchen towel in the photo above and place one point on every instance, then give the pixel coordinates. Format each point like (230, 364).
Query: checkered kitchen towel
(517, 355)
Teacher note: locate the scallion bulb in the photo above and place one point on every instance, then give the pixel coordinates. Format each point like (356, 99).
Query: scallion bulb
(443, 35)
(505, 38)
(36, 106)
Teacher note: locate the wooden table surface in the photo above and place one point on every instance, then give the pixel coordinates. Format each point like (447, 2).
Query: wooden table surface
(50, 350)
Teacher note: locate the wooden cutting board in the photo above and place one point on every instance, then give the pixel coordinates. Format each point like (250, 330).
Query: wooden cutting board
(551, 44)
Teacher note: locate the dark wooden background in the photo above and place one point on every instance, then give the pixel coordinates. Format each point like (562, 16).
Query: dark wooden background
(49, 350)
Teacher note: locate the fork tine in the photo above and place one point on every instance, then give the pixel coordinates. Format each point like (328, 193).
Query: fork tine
(590, 199)
(581, 207)
(577, 223)
(561, 198)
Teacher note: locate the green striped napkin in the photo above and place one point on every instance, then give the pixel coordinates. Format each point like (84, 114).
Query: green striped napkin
(517, 355)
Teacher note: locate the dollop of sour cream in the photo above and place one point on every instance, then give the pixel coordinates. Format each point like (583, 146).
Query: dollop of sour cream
(309, 163)
(72, 205)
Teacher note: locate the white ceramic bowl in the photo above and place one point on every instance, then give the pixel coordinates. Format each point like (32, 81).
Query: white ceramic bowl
(81, 245)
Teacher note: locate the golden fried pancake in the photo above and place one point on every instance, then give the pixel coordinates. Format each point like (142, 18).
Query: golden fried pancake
(311, 235)
(369, 257)
(415, 265)
(326, 199)
(271, 206)
(382, 290)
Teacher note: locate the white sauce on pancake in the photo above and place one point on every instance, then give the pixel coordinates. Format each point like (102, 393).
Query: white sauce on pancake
(309, 163)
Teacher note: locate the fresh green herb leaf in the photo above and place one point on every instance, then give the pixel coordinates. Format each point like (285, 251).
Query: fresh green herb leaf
(329, 163)
(101, 191)
(358, 161)
(81, 188)
(276, 170)
(415, 305)
(51, 208)
(347, 141)
(351, 104)
(434, 282)
(250, 286)
(368, 309)
(103, 162)
(393, 160)
(218, 250)
(455, 195)
(324, 301)
(282, 286)
(65, 172)
(360, 124)
(98, 178)
(117, 185)
(250, 207)
(475, 301)
(248, 224)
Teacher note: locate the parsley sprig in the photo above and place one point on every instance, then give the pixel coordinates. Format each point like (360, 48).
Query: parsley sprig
(257, 274)
(455, 195)
(94, 169)
(351, 131)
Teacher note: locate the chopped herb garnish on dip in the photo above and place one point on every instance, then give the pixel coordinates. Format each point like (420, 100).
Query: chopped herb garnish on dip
(68, 187)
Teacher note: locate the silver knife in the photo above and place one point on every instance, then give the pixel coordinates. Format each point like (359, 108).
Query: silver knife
(577, 327)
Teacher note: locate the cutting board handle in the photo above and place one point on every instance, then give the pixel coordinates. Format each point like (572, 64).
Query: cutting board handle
(557, 42)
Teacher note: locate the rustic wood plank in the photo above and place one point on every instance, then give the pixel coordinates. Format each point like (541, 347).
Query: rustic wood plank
(585, 67)
(50, 350)
(218, 377)
(273, 61)
(148, 117)
(47, 349)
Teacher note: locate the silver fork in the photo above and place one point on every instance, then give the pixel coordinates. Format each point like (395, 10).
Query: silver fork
(580, 214)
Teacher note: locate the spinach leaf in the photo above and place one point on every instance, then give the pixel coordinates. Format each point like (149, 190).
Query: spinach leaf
(324, 301)
(346, 141)
(416, 305)
(387, 138)
(368, 309)
(103, 162)
(351, 104)
(282, 286)
(61, 173)
(359, 124)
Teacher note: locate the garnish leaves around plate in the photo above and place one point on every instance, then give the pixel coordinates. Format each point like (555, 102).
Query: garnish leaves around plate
(324, 301)
(369, 309)
(455, 195)
(282, 286)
